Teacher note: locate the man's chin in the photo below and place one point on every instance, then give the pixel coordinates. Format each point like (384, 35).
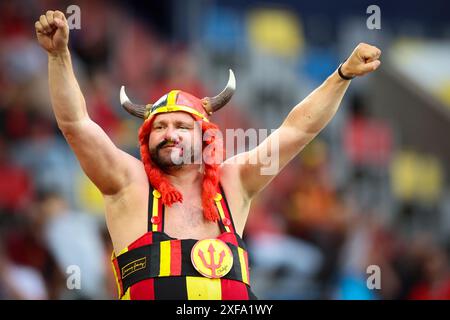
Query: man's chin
(167, 165)
(169, 162)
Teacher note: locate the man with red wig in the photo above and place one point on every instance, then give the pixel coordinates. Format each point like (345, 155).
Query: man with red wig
(176, 224)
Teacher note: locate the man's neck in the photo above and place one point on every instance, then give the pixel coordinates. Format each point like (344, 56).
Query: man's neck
(186, 176)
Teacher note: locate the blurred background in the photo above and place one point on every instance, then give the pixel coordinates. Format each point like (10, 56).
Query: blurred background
(372, 189)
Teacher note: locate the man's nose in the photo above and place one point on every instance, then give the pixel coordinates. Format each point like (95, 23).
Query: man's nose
(171, 134)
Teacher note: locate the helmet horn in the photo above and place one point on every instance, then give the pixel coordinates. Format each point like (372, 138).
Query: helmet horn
(138, 110)
(215, 103)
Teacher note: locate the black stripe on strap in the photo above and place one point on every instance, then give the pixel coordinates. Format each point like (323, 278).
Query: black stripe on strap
(170, 288)
(235, 273)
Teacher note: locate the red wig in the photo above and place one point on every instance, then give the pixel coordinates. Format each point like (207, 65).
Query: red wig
(212, 152)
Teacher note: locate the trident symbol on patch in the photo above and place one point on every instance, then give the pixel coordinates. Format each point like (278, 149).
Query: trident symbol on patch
(214, 269)
(212, 265)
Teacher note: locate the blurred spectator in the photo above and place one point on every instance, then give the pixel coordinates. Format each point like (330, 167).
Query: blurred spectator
(368, 243)
(74, 239)
(435, 284)
(19, 281)
(368, 145)
(47, 158)
(16, 188)
(284, 267)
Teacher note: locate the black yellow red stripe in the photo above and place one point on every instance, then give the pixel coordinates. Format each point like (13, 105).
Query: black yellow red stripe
(171, 105)
(218, 200)
(156, 219)
(226, 209)
(117, 276)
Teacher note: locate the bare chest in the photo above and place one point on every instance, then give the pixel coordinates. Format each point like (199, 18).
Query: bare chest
(185, 221)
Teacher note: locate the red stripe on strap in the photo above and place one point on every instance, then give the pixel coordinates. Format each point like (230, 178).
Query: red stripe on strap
(233, 290)
(144, 240)
(229, 237)
(175, 257)
(143, 290)
(118, 277)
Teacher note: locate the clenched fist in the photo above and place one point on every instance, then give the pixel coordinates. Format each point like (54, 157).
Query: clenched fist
(52, 32)
(364, 59)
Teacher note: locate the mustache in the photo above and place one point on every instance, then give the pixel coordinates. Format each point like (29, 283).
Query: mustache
(166, 143)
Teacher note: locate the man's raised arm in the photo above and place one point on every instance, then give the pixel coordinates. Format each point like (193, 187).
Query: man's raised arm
(302, 124)
(107, 166)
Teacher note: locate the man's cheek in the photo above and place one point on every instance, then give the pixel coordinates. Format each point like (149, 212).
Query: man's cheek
(188, 153)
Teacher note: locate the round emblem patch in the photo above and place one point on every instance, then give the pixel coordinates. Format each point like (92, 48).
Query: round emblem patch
(212, 258)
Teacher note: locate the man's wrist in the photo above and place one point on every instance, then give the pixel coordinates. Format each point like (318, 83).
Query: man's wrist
(59, 54)
(343, 71)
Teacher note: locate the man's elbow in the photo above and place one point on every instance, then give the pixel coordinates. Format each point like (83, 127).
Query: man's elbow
(72, 129)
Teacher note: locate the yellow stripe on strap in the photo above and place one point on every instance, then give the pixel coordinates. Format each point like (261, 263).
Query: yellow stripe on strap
(123, 251)
(116, 276)
(164, 265)
(242, 262)
(200, 288)
(155, 211)
(218, 199)
(126, 296)
(119, 291)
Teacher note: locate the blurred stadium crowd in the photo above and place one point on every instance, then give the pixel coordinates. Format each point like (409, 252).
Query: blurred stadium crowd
(354, 197)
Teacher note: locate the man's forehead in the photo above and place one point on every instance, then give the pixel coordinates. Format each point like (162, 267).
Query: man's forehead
(174, 116)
